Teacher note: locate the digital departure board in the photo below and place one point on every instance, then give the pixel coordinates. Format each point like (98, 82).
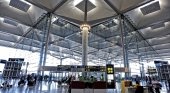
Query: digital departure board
(95, 68)
(74, 68)
(110, 69)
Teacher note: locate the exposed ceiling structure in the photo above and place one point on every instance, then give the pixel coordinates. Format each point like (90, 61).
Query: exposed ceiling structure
(146, 25)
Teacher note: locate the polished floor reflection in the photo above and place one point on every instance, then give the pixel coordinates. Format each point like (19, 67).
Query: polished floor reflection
(45, 87)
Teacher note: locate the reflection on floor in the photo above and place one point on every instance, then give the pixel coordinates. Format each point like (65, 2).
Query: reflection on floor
(44, 87)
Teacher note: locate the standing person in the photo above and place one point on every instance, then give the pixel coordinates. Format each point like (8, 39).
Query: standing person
(150, 87)
(35, 79)
(150, 80)
(69, 80)
(169, 83)
(69, 83)
(157, 86)
(137, 84)
(146, 78)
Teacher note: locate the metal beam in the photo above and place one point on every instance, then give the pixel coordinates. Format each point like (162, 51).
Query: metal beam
(34, 25)
(58, 5)
(28, 31)
(140, 34)
(119, 13)
(44, 44)
(154, 23)
(157, 50)
(38, 5)
(85, 12)
(113, 7)
(152, 46)
(140, 41)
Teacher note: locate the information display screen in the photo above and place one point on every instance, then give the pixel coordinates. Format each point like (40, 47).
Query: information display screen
(152, 71)
(65, 67)
(71, 68)
(160, 63)
(94, 68)
(110, 69)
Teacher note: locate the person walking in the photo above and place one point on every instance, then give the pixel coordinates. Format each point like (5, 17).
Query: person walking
(157, 86)
(150, 87)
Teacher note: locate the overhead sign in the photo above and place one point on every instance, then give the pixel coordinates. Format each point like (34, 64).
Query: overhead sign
(49, 68)
(119, 69)
(160, 63)
(95, 68)
(110, 69)
(152, 71)
(73, 68)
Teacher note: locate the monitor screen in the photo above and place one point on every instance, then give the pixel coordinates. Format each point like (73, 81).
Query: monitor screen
(110, 77)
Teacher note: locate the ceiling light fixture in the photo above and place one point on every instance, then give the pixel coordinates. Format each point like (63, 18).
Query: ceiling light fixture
(85, 27)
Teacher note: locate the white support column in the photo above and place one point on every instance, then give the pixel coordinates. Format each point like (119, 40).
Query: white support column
(85, 30)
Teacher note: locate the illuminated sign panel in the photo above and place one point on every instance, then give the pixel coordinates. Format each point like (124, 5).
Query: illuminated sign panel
(110, 69)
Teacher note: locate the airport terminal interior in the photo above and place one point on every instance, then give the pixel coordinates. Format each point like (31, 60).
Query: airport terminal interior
(84, 46)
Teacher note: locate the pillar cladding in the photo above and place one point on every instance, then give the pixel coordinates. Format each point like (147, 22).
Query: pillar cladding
(84, 46)
(85, 30)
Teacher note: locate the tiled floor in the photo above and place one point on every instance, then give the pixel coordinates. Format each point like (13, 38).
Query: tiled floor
(51, 88)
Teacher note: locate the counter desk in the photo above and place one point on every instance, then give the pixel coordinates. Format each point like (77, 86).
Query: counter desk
(87, 87)
(132, 90)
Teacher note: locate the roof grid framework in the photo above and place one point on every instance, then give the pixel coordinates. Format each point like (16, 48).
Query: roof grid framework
(102, 34)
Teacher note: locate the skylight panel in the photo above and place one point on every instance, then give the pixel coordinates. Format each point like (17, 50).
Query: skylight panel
(19, 5)
(150, 8)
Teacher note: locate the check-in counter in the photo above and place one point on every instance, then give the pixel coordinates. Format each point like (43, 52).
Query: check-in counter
(100, 87)
(87, 87)
(77, 87)
(132, 90)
